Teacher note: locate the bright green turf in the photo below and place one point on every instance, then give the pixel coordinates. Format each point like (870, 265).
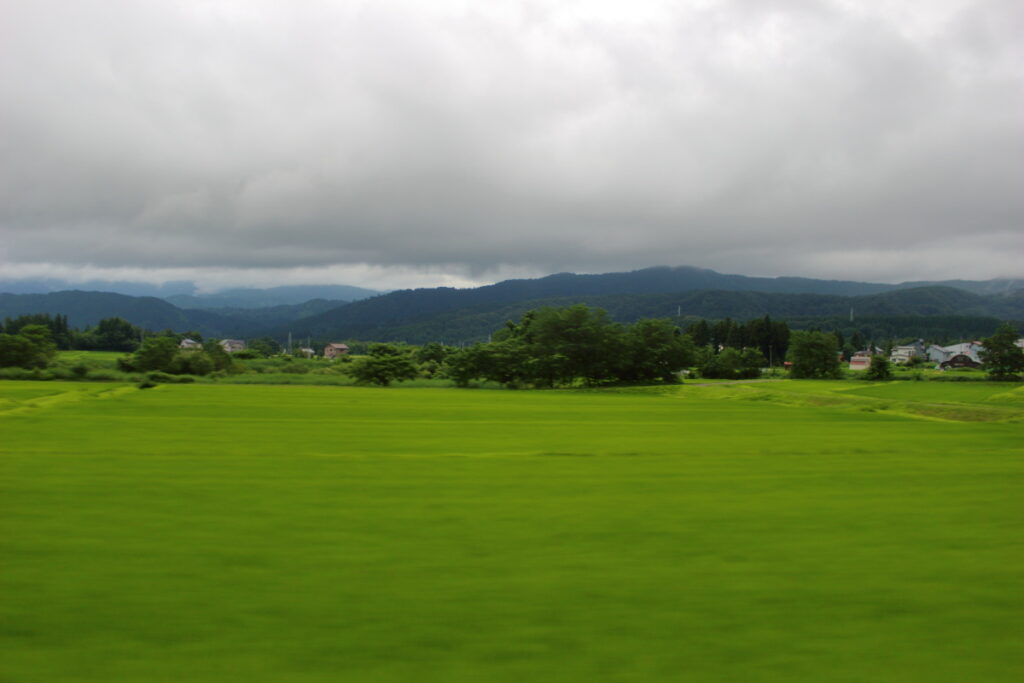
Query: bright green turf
(772, 532)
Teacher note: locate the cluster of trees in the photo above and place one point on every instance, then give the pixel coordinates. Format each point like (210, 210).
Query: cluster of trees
(559, 346)
(28, 346)
(1003, 359)
(162, 354)
(110, 334)
(60, 334)
(769, 337)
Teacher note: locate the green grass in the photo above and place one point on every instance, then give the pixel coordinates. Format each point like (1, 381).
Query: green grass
(91, 356)
(812, 531)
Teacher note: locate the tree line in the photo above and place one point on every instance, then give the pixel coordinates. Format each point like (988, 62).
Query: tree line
(547, 347)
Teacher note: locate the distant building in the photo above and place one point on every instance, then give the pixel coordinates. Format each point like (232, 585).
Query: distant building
(943, 354)
(860, 360)
(960, 360)
(307, 352)
(901, 355)
(232, 345)
(189, 344)
(334, 350)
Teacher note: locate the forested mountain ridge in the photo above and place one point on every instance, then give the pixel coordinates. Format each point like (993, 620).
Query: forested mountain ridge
(88, 308)
(371, 320)
(457, 315)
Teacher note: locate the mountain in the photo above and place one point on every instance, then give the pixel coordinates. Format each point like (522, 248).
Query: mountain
(418, 304)
(456, 315)
(396, 318)
(275, 296)
(999, 285)
(255, 319)
(183, 293)
(85, 309)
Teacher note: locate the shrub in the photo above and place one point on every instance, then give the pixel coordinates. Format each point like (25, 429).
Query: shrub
(880, 369)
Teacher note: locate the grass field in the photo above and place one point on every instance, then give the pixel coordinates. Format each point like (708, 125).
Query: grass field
(797, 531)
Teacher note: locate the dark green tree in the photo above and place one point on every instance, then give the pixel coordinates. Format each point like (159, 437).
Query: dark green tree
(815, 355)
(462, 366)
(31, 347)
(565, 344)
(191, 363)
(879, 369)
(1002, 358)
(432, 352)
(220, 358)
(264, 347)
(115, 334)
(155, 353)
(700, 332)
(17, 352)
(385, 363)
(655, 349)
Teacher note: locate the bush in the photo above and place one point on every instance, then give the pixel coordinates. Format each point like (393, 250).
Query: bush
(386, 363)
(879, 369)
(731, 364)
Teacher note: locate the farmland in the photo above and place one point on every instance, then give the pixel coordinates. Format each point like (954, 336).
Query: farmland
(839, 531)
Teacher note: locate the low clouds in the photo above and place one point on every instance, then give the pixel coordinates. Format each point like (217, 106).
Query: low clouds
(464, 141)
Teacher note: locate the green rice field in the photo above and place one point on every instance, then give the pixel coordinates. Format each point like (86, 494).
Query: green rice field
(768, 531)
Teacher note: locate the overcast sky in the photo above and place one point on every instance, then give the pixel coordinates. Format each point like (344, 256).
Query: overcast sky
(389, 144)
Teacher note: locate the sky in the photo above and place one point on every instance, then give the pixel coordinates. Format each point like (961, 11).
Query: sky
(393, 144)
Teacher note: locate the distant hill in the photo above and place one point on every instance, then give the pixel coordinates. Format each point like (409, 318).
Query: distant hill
(128, 288)
(183, 293)
(85, 309)
(372, 319)
(256, 319)
(275, 296)
(1000, 285)
(456, 315)
(417, 304)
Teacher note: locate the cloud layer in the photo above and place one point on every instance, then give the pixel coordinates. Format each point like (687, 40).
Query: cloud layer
(466, 139)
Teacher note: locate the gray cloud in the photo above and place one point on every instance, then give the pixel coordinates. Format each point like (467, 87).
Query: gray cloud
(467, 139)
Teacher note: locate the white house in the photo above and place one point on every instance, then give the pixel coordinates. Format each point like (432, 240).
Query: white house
(232, 345)
(189, 344)
(901, 355)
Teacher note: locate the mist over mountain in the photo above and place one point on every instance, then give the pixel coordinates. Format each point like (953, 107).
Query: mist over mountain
(126, 287)
(251, 297)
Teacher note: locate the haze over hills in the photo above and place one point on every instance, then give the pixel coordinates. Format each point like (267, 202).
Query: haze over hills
(184, 293)
(251, 297)
(126, 287)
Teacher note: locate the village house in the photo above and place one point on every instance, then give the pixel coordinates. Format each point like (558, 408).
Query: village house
(307, 352)
(901, 355)
(860, 360)
(334, 350)
(943, 354)
(232, 345)
(189, 344)
(960, 360)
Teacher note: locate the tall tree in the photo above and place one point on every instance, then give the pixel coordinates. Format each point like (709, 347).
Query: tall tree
(1003, 359)
(815, 355)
